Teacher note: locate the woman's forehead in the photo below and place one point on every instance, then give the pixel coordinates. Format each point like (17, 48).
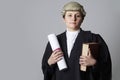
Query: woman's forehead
(74, 12)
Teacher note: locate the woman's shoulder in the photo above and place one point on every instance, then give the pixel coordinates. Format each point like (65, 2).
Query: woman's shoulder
(94, 36)
(61, 34)
(89, 32)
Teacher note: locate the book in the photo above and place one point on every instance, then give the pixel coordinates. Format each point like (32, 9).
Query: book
(94, 47)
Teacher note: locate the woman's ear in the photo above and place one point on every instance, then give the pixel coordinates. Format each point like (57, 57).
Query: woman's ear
(63, 19)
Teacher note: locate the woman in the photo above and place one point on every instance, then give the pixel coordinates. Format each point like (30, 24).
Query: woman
(71, 44)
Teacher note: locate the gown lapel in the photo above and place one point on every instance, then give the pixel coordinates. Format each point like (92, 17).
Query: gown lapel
(77, 47)
(64, 44)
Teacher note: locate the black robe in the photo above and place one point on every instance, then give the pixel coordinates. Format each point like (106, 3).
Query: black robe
(100, 71)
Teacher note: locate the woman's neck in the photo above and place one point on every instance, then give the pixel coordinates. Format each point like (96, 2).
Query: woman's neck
(71, 30)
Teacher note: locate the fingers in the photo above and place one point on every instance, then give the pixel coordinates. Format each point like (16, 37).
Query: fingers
(87, 61)
(55, 57)
(83, 60)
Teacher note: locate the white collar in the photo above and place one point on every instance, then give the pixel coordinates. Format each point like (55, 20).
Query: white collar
(73, 32)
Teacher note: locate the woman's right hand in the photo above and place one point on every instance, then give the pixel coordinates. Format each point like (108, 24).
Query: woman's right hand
(55, 57)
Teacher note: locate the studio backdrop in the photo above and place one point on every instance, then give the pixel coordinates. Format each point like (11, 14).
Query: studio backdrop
(25, 24)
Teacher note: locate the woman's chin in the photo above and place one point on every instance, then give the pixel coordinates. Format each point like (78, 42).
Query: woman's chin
(73, 28)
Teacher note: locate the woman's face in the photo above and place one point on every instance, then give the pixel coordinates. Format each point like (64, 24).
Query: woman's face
(73, 20)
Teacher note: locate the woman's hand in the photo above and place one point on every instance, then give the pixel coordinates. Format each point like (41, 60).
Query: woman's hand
(87, 60)
(55, 57)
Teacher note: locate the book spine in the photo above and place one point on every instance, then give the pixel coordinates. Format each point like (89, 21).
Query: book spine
(85, 49)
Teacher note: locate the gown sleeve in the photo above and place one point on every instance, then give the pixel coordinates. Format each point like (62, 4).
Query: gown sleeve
(103, 67)
(48, 71)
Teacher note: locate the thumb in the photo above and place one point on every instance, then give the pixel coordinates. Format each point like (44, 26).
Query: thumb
(89, 52)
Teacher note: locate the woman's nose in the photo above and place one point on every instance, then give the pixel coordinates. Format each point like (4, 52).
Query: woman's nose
(74, 18)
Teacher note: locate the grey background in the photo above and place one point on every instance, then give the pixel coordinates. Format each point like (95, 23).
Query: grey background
(25, 24)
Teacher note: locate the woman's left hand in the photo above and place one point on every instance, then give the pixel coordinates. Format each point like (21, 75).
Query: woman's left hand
(87, 60)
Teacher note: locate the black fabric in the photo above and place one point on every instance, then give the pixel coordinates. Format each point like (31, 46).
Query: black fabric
(100, 71)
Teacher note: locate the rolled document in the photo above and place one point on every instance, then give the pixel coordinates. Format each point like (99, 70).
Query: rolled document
(55, 46)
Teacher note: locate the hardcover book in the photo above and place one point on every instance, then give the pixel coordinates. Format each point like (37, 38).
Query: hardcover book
(94, 47)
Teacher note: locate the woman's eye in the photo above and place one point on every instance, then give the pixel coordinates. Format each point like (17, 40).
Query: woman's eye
(77, 15)
(70, 15)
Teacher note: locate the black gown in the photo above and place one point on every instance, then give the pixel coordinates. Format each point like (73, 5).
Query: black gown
(100, 71)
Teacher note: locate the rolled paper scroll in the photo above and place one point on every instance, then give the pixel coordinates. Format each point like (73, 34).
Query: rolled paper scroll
(55, 46)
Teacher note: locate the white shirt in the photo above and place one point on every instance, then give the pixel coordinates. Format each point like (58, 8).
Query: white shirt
(71, 37)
